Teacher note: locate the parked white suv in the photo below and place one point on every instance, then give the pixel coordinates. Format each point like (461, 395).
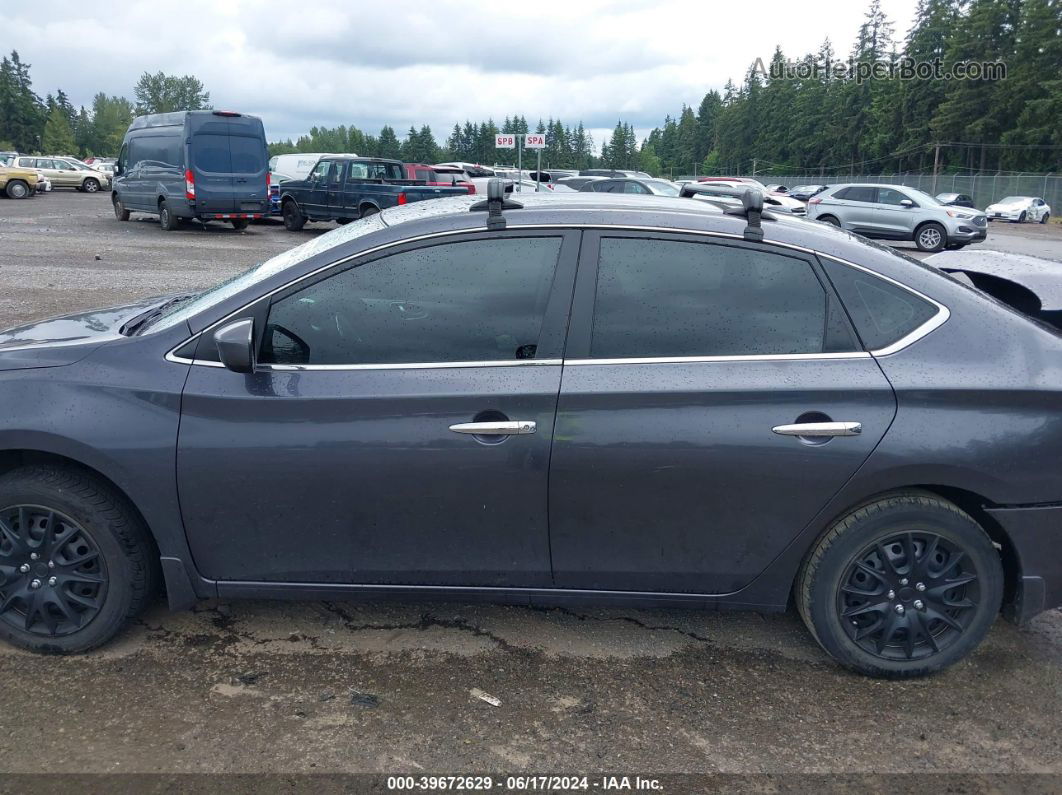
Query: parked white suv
(896, 212)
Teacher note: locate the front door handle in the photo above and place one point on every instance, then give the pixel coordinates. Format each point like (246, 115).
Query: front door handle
(508, 428)
(819, 429)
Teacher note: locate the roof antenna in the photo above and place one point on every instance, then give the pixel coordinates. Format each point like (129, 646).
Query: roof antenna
(495, 203)
(752, 202)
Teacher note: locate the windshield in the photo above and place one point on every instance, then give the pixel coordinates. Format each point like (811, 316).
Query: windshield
(180, 313)
(661, 187)
(1013, 200)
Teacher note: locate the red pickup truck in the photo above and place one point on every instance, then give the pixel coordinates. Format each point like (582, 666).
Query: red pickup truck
(439, 176)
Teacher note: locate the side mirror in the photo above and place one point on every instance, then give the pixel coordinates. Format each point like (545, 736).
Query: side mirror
(235, 343)
(906, 203)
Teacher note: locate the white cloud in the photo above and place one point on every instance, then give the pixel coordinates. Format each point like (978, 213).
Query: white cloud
(405, 62)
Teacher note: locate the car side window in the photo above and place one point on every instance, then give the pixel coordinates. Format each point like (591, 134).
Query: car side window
(320, 171)
(860, 194)
(658, 298)
(472, 301)
(882, 312)
(335, 176)
(633, 187)
(890, 196)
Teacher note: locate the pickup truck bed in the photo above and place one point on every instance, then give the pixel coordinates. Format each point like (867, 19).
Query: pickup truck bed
(344, 188)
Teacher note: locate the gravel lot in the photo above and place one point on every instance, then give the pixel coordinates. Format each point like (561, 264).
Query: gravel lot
(312, 687)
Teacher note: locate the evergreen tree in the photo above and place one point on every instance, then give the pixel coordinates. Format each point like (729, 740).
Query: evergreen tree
(388, 144)
(58, 138)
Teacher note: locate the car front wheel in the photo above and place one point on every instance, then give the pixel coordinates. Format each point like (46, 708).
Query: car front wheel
(900, 587)
(1022, 217)
(90, 185)
(76, 562)
(294, 220)
(931, 237)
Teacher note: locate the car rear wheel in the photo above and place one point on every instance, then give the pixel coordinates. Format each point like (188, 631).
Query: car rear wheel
(1044, 219)
(239, 224)
(120, 212)
(931, 237)
(902, 586)
(76, 562)
(829, 219)
(167, 220)
(294, 220)
(16, 189)
(90, 185)
(368, 210)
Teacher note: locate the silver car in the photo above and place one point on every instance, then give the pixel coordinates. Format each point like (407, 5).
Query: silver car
(896, 212)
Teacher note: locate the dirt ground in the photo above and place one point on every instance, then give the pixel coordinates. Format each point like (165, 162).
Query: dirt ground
(386, 687)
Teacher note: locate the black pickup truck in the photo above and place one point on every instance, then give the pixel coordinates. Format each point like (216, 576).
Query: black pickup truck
(343, 188)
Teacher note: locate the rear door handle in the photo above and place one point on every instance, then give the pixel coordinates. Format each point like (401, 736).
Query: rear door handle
(508, 428)
(819, 429)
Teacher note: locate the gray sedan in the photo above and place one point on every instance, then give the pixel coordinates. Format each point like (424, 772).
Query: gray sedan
(545, 400)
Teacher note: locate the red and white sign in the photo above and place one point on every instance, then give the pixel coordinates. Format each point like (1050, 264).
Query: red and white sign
(505, 141)
(535, 141)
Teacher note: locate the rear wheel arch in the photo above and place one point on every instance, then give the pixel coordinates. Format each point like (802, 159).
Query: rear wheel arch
(967, 501)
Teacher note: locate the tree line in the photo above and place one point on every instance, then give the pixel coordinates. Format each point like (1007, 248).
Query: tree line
(812, 119)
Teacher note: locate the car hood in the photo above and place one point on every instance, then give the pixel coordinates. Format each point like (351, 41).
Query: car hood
(1008, 206)
(67, 339)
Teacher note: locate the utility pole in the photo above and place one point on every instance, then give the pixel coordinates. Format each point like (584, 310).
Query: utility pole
(755, 160)
(936, 167)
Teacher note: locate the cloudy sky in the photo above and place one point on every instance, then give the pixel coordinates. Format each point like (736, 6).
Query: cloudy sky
(402, 62)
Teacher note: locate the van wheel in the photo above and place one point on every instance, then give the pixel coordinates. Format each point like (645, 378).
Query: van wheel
(90, 185)
(902, 586)
(16, 189)
(239, 224)
(167, 220)
(931, 237)
(294, 220)
(120, 212)
(77, 561)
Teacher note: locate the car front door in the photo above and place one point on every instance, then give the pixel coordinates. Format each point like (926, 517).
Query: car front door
(893, 219)
(675, 466)
(397, 428)
(316, 204)
(336, 200)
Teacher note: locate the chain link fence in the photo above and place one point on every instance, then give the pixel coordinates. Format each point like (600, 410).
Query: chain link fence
(984, 188)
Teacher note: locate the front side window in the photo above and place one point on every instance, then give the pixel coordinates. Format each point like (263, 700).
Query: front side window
(480, 300)
(660, 298)
(890, 196)
(633, 187)
(320, 171)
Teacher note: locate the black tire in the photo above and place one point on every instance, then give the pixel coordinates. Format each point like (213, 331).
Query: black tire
(368, 210)
(17, 189)
(343, 221)
(829, 219)
(1021, 218)
(120, 212)
(167, 220)
(1044, 219)
(931, 237)
(294, 220)
(90, 185)
(239, 224)
(842, 593)
(55, 501)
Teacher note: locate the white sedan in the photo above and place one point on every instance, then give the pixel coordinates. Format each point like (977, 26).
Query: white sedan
(1019, 209)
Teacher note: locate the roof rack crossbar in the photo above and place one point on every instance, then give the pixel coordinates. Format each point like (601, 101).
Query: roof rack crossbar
(751, 204)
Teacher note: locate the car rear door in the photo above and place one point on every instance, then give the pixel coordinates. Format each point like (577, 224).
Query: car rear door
(675, 467)
(397, 428)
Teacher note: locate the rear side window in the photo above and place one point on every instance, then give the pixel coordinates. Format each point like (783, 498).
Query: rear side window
(481, 300)
(883, 313)
(856, 194)
(159, 150)
(668, 298)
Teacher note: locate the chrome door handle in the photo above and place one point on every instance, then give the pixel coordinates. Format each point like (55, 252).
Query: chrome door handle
(819, 429)
(509, 428)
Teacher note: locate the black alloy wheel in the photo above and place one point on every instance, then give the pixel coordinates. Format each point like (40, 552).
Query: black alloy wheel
(53, 579)
(909, 596)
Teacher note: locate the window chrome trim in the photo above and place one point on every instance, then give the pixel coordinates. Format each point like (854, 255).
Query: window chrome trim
(298, 368)
(764, 357)
(930, 325)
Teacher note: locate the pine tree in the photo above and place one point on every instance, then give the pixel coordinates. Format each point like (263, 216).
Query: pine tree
(388, 143)
(58, 138)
